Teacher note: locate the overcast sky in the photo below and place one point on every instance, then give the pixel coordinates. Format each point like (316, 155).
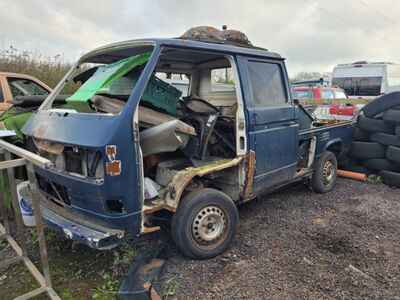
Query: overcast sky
(312, 35)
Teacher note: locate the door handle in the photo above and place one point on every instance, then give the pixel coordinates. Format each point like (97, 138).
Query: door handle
(287, 123)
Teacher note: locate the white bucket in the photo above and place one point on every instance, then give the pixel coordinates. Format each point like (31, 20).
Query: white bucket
(25, 204)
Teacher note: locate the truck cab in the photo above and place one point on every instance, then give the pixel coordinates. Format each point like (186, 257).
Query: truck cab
(140, 149)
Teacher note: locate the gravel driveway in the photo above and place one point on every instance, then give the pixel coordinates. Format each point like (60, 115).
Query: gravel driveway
(295, 244)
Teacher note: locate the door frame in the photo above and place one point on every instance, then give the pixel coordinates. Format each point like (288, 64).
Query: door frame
(267, 178)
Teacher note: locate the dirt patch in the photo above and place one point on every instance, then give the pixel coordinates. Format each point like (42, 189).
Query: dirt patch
(334, 244)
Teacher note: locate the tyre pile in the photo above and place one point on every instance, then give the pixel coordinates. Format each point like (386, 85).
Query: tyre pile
(376, 140)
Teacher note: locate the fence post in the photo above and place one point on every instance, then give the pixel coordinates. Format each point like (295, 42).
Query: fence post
(39, 222)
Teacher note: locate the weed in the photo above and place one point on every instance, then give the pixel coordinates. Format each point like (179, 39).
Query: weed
(374, 179)
(123, 257)
(35, 237)
(66, 294)
(108, 290)
(3, 244)
(169, 288)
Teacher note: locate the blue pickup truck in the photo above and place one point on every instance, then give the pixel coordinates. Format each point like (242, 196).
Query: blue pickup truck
(141, 152)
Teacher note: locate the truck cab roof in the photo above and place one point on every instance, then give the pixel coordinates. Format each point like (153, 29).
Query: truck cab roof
(116, 51)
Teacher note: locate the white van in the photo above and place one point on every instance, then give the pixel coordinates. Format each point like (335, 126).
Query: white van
(367, 79)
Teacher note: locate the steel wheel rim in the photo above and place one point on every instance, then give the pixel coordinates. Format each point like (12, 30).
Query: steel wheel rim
(209, 225)
(328, 172)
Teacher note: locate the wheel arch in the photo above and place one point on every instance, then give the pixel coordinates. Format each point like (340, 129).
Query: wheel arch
(182, 179)
(335, 146)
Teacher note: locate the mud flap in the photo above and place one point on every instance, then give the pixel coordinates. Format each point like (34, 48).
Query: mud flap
(138, 284)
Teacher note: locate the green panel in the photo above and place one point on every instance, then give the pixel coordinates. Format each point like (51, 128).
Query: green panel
(13, 120)
(106, 74)
(110, 79)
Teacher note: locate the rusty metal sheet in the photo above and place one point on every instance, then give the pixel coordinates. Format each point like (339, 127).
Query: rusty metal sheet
(47, 146)
(181, 180)
(248, 185)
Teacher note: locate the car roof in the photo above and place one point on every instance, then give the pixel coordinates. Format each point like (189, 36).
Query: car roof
(11, 74)
(116, 51)
(25, 76)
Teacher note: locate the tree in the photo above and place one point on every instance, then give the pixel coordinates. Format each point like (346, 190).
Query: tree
(301, 76)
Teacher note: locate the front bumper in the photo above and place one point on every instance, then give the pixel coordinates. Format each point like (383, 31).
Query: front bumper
(77, 229)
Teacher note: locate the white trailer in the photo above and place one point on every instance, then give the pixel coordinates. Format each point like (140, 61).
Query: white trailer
(367, 79)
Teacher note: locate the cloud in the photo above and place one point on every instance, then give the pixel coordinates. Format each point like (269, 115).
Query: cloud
(312, 35)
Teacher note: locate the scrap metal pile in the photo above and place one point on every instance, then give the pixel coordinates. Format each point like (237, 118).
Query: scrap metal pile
(376, 140)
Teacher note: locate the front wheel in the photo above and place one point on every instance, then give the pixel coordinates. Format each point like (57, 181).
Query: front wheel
(205, 223)
(325, 173)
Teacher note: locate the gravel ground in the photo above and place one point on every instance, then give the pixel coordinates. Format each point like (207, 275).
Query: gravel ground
(295, 244)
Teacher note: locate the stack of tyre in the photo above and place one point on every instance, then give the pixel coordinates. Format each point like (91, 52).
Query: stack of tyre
(376, 139)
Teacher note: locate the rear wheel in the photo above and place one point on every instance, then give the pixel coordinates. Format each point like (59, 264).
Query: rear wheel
(325, 173)
(205, 223)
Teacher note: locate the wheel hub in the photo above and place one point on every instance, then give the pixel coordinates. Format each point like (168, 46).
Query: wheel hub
(209, 224)
(328, 172)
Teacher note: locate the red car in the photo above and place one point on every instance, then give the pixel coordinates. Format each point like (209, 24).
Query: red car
(317, 94)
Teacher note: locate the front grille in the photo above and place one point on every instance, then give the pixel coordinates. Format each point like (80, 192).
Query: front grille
(55, 190)
(72, 159)
(73, 162)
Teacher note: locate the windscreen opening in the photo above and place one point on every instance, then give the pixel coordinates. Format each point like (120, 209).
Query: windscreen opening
(96, 85)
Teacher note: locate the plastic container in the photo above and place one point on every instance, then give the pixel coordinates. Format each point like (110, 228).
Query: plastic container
(158, 93)
(25, 204)
(162, 95)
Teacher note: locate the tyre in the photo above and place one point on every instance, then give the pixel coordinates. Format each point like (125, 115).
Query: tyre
(325, 173)
(381, 164)
(352, 165)
(374, 125)
(381, 104)
(386, 139)
(205, 223)
(390, 178)
(366, 150)
(393, 154)
(392, 115)
(357, 168)
(360, 135)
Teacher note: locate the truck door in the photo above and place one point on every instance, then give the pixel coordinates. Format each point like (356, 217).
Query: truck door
(272, 126)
